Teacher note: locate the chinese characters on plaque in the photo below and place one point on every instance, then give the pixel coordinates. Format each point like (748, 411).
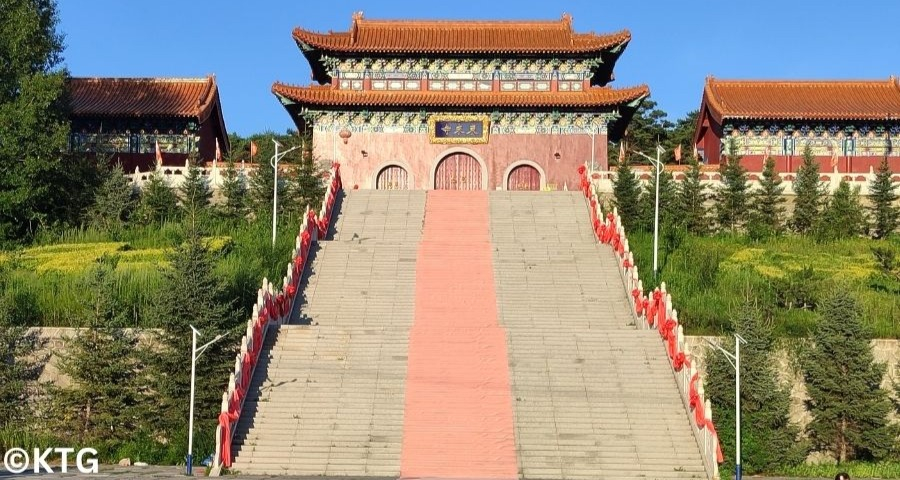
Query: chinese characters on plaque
(459, 129)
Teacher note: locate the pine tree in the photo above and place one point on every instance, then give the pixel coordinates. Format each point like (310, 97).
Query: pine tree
(22, 360)
(114, 201)
(626, 190)
(883, 195)
(261, 188)
(844, 216)
(808, 193)
(158, 201)
(691, 201)
(668, 196)
(234, 191)
(767, 216)
(193, 296)
(104, 401)
(306, 186)
(848, 406)
(732, 196)
(194, 191)
(769, 440)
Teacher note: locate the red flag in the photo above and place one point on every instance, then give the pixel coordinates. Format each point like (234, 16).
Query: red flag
(678, 153)
(159, 161)
(253, 149)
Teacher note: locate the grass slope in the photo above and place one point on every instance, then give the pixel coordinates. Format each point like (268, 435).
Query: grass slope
(708, 276)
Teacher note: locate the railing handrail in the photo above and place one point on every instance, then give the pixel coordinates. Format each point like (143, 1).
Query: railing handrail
(272, 307)
(656, 311)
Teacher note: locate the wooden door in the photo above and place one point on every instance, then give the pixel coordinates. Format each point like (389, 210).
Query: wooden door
(458, 171)
(524, 177)
(392, 177)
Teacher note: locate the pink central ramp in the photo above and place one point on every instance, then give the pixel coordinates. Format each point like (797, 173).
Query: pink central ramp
(458, 418)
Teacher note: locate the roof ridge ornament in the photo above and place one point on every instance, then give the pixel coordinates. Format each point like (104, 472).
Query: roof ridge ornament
(354, 28)
(567, 18)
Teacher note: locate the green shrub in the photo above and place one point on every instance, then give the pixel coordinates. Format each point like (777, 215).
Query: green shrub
(798, 289)
(787, 274)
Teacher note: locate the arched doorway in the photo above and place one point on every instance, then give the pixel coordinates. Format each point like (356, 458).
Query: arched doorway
(458, 171)
(392, 177)
(524, 177)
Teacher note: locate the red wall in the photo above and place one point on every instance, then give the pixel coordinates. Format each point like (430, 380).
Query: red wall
(855, 164)
(416, 153)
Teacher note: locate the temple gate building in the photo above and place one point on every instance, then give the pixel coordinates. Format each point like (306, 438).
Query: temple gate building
(125, 118)
(461, 104)
(849, 125)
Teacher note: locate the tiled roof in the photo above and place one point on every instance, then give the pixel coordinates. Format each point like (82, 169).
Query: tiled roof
(154, 97)
(436, 36)
(328, 96)
(813, 100)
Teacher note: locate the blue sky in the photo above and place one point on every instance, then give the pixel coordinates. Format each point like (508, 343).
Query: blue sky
(675, 45)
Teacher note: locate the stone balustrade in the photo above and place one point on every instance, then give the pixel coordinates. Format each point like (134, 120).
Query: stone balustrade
(273, 307)
(654, 310)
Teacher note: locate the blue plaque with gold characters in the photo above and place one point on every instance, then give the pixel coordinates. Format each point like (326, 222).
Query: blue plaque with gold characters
(458, 129)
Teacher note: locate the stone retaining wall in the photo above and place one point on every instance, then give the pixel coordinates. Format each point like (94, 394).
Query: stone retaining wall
(885, 351)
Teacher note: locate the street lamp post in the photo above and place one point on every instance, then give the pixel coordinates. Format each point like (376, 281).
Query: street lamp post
(195, 354)
(658, 167)
(274, 162)
(592, 134)
(735, 361)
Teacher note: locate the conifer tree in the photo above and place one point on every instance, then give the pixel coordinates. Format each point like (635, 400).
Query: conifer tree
(883, 194)
(732, 196)
(114, 201)
(769, 440)
(844, 216)
(234, 191)
(193, 296)
(194, 191)
(848, 406)
(105, 398)
(626, 190)
(767, 216)
(668, 196)
(691, 201)
(261, 188)
(22, 360)
(158, 201)
(307, 187)
(808, 194)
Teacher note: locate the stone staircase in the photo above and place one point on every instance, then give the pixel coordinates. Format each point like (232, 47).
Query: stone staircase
(594, 397)
(327, 396)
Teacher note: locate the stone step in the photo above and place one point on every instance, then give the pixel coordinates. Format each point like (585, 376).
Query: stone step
(594, 397)
(327, 395)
